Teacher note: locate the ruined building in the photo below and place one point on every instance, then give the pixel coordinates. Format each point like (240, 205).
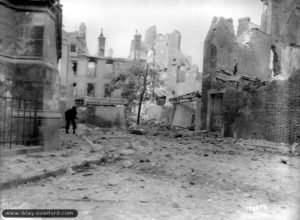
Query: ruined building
(138, 50)
(251, 80)
(176, 69)
(178, 74)
(30, 47)
(87, 77)
(150, 37)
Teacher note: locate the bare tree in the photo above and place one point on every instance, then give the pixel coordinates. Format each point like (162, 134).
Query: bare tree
(137, 82)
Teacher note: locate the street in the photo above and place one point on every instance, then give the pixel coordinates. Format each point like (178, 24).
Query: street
(160, 177)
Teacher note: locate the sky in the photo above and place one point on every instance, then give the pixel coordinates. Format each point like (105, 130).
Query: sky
(121, 18)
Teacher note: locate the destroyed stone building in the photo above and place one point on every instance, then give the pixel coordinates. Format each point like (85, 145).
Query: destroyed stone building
(89, 73)
(251, 79)
(138, 49)
(86, 78)
(178, 74)
(30, 47)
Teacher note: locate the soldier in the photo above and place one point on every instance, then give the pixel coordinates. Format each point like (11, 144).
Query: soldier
(70, 116)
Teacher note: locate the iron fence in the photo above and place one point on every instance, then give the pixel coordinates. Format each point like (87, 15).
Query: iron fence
(19, 120)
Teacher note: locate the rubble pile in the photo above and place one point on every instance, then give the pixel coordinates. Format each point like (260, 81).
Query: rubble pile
(109, 139)
(156, 169)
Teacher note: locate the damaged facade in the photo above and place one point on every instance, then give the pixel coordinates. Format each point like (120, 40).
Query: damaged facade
(138, 49)
(30, 47)
(87, 78)
(251, 80)
(184, 111)
(177, 72)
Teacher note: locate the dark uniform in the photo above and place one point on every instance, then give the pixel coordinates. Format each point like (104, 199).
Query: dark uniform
(70, 116)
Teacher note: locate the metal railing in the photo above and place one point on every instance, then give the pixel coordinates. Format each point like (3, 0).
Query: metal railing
(20, 104)
(18, 121)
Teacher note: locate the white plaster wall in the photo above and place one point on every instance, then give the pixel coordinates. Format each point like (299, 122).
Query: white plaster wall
(290, 60)
(183, 116)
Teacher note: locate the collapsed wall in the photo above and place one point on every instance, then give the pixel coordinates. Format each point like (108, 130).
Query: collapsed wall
(251, 85)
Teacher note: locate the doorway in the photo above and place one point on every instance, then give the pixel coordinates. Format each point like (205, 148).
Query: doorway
(215, 113)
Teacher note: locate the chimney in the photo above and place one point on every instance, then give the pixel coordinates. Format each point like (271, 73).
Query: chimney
(101, 44)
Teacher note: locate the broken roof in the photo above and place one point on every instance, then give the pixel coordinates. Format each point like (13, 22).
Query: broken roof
(189, 97)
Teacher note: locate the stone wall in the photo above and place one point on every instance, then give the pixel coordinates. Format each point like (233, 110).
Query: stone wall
(105, 116)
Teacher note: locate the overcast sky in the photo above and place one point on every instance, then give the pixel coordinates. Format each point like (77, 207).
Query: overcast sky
(120, 19)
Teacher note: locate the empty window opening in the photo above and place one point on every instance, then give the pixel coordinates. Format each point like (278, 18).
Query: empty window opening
(92, 69)
(109, 61)
(74, 67)
(74, 89)
(235, 69)
(91, 89)
(161, 100)
(216, 112)
(73, 48)
(275, 61)
(107, 91)
(37, 32)
(181, 74)
(109, 67)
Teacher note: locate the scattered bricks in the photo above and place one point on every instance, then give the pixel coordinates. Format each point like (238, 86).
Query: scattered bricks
(126, 152)
(70, 171)
(137, 132)
(114, 181)
(284, 161)
(293, 148)
(154, 164)
(127, 164)
(254, 159)
(175, 205)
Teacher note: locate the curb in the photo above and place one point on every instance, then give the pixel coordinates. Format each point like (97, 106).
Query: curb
(60, 171)
(14, 152)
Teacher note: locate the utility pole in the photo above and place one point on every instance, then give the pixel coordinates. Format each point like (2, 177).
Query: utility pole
(142, 95)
